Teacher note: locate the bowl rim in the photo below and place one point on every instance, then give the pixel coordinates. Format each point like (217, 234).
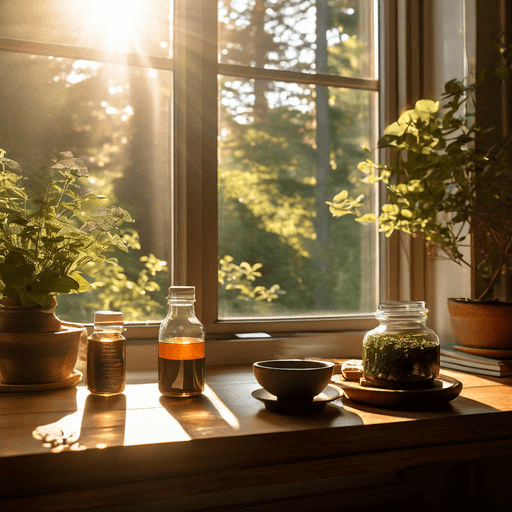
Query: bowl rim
(316, 364)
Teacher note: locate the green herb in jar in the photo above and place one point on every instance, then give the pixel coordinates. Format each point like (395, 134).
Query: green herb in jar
(400, 360)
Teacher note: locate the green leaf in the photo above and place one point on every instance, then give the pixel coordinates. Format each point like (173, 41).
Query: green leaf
(340, 196)
(83, 284)
(367, 217)
(395, 129)
(15, 218)
(17, 275)
(427, 106)
(54, 282)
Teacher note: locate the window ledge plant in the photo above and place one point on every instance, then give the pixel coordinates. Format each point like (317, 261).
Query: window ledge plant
(51, 228)
(444, 183)
(440, 183)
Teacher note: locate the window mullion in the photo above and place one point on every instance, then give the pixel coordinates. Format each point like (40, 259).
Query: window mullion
(195, 100)
(83, 53)
(327, 80)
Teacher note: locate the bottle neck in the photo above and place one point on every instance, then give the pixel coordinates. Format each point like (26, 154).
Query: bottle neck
(181, 307)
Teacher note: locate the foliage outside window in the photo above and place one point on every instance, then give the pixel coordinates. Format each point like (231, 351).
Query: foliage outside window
(297, 104)
(65, 95)
(298, 100)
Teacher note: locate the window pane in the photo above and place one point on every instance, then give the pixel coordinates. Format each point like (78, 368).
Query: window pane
(285, 149)
(312, 36)
(127, 26)
(118, 118)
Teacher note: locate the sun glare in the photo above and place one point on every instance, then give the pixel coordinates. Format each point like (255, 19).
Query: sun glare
(114, 24)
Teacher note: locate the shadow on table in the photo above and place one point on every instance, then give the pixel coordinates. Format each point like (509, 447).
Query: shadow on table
(456, 407)
(201, 416)
(332, 414)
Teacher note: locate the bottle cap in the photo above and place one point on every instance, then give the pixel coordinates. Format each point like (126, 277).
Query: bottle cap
(108, 318)
(182, 293)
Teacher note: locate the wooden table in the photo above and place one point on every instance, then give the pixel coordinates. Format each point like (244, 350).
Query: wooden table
(68, 450)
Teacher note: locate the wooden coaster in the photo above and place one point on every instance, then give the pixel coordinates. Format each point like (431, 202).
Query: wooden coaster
(352, 370)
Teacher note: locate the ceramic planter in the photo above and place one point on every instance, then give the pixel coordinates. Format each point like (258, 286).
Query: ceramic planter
(15, 318)
(38, 358)
(35, 346)
(481, 324)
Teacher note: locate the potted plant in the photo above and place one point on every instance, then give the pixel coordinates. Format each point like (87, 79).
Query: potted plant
(442, 183)
(51, 228)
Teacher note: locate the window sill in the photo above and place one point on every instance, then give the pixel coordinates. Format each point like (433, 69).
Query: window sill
(225, 449)
(221, 351)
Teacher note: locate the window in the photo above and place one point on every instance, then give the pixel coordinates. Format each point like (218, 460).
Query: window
(297, 102)
(95, 78)
(223, 134)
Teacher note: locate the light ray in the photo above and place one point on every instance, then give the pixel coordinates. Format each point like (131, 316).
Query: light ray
(222, 408)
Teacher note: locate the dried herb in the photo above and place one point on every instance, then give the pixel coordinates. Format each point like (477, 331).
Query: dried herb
(399, 359)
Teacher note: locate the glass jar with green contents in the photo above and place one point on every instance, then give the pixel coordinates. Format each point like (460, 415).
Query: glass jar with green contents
(402, 352)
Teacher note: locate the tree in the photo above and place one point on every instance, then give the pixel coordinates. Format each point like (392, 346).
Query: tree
(285, 147)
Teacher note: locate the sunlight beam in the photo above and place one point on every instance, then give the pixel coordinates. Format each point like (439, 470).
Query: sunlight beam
(222, 408)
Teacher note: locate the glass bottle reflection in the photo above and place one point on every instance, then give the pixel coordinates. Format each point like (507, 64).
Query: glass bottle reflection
(103, 421)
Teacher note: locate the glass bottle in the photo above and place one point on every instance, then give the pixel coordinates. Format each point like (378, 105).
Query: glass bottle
(402, 352)
(106, 354)
(181, 346)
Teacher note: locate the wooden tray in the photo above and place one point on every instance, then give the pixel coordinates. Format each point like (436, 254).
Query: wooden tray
(445, 389)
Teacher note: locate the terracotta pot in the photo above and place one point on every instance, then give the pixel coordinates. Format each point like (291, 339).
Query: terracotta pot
(481, 324)
(15, 318)
(35, 346)
(37, 358)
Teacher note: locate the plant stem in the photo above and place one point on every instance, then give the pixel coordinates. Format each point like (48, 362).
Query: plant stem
(491, 283)
(63, 191)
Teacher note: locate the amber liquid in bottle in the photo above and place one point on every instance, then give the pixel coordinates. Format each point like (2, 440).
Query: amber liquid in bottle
(105, 364)
(181, 367)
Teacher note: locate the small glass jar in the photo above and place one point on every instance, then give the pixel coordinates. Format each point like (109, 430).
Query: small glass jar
(402, 352)
(106, 354)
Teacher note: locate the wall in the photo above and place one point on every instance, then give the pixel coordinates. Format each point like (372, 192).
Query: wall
(453, 48)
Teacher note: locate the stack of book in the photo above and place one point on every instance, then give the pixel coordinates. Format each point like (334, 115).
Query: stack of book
(460, 359)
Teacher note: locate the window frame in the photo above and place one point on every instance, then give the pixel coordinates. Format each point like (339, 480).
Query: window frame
(194, 259)
(199, 266)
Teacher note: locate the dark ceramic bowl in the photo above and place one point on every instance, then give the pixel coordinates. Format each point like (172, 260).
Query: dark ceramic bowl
(293, 379)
